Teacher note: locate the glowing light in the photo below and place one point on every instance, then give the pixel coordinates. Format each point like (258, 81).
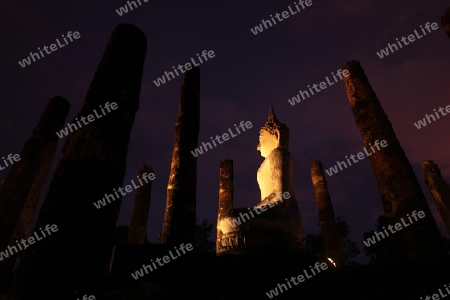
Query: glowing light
(331, 261)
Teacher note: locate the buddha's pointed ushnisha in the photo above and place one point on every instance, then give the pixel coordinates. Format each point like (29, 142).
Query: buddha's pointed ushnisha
(272, 117)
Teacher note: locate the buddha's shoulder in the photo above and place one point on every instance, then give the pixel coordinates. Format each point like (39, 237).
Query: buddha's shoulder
(280, 152)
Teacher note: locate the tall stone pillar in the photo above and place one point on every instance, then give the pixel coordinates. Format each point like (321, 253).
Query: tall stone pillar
(226, 192)
(91, 168)
(180, 216)
(399, 188)
(22, 188)
(137, 233)
(445, 21)
(327, 220)
(439, 189)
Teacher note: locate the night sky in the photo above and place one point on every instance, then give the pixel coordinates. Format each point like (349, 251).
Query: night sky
(247, 74)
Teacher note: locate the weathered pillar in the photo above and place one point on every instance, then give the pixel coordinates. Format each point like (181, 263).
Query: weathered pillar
(327, 220)
(22, 188)
(398, 185)
(180, 216)
(92, 167)
(445, 21)
(23, 185)
(137, 233)
(226, 192)
(439, 189)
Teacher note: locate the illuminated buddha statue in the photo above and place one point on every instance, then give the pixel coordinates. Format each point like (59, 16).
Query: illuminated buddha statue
(278, 225)
(275, 173)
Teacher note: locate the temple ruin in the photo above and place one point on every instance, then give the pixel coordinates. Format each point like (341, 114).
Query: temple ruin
(257, 247)
(93, 162)
(274, 224)
(327, 220)
(439, 190)
(180, 215)
(400, 192)
(21, 191)
(137, 233)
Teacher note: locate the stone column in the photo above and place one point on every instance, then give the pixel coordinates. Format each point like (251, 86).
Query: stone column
(445, 21)
(180, 216)
(22, 188)
(327, 220)
(439, 189)
(92, 167)
(226, 192)
(399, 188)
(137, 234)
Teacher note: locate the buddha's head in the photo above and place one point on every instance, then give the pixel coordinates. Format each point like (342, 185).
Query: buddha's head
(272, 135)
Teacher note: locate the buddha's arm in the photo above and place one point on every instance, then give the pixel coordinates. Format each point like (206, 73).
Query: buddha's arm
(280, 170)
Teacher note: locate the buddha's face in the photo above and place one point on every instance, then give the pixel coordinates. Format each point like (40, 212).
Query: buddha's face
(267, 143)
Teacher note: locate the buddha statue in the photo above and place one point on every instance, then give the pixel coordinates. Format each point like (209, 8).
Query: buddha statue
(275, 175)
(275, 221)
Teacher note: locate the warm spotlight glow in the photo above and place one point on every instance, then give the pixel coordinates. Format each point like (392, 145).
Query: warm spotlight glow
(331, 261)
(268, 180)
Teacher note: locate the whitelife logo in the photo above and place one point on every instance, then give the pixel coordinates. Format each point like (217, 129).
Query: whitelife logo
(10, 158)
(323, 85)
(285, 14)
(423, 123)
(27, 61)
(225, 137)
(188, 66)
(166, 259)
(240, 219)
(85, 297)
(300, 278)
(90, 118)
(110, 197)
(360, 156)
(123, 9)
(411, 38)
(31, 240)
(371, 241)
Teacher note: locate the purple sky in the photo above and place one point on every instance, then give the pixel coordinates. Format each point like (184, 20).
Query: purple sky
(247, 74)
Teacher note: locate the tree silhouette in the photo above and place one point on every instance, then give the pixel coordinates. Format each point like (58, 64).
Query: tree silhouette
(446, 242)
(121, 234)
(314, 243)
(382, 251)
(204, 241)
